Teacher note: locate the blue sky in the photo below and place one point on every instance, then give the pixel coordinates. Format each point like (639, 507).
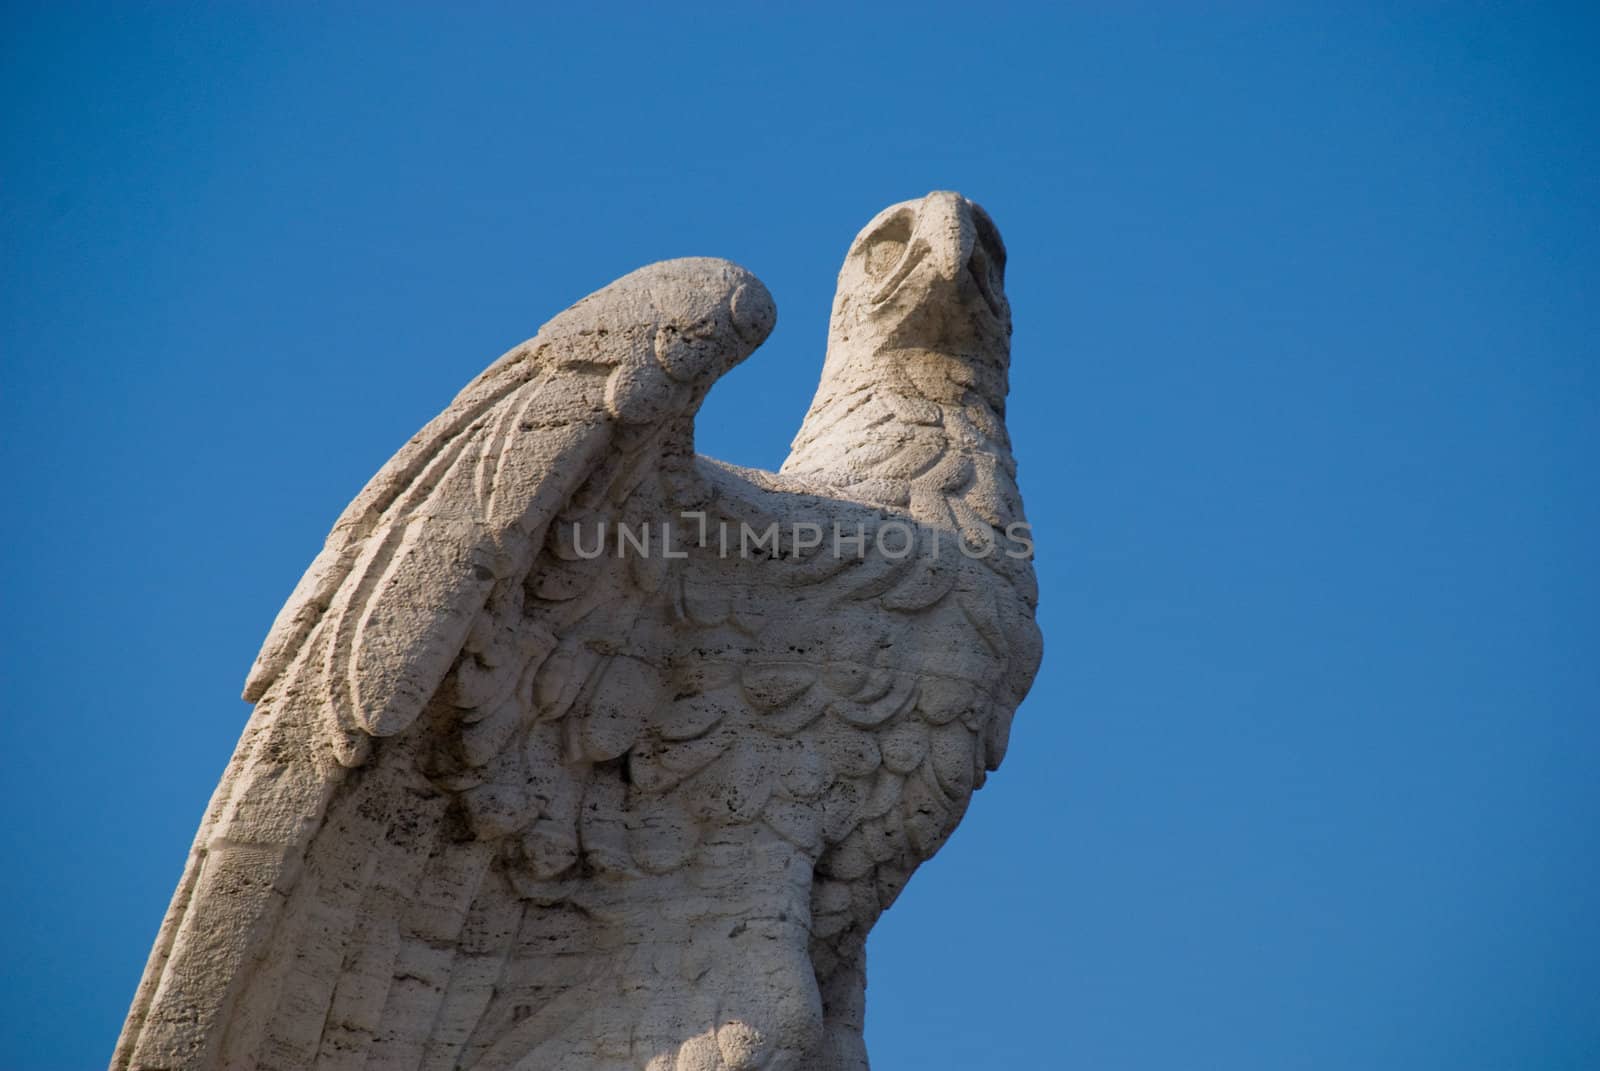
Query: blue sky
(1304, 395)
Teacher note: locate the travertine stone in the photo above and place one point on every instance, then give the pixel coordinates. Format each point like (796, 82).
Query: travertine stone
(510, 800)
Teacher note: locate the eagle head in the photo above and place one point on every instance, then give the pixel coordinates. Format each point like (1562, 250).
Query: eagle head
(929, 273)
(920, 316)
(924, 282)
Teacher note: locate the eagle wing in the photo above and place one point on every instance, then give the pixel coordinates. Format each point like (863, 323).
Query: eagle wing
(338, 907)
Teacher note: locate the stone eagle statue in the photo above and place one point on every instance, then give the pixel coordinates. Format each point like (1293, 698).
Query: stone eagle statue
(575, 750)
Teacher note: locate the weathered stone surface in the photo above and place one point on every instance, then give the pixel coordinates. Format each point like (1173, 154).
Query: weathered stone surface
(575, 750)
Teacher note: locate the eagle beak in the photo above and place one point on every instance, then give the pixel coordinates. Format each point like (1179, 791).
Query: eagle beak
(944, 224)
(943, 237)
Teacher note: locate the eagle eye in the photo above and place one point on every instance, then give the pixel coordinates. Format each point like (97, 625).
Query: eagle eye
(989, 239)
(885, 246)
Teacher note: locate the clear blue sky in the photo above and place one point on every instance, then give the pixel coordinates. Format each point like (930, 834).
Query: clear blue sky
(1305, 397)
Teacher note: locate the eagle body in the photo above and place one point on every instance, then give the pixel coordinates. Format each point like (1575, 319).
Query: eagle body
(575, 750)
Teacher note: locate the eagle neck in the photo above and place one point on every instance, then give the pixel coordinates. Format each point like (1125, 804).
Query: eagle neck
(909, 430)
